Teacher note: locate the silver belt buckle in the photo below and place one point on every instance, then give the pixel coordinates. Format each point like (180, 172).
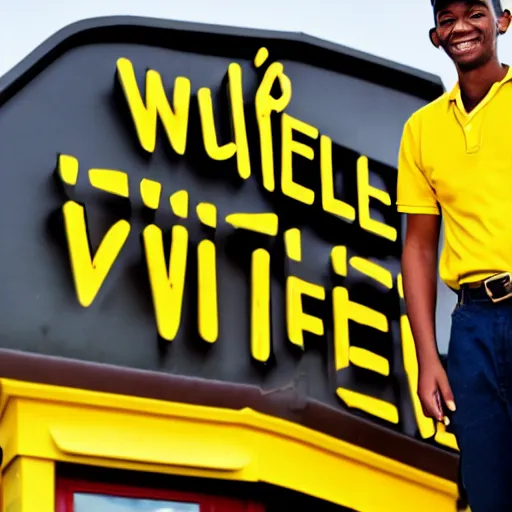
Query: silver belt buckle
(489, 283)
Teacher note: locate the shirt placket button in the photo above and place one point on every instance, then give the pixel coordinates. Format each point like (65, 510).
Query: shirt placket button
(472, 144)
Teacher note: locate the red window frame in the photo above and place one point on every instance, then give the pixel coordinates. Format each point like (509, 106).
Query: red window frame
(66, 488)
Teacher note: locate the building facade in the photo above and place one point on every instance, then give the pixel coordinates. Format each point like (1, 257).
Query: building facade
(202, 304)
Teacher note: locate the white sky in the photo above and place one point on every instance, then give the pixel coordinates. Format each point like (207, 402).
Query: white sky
(394, 29)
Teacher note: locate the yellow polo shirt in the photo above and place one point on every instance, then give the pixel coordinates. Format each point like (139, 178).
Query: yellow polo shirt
(460, 164)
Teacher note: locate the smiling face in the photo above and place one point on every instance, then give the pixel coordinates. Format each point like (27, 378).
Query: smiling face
(467, 31)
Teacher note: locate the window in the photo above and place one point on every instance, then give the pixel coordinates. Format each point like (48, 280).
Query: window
(82, 496)
(83, 502)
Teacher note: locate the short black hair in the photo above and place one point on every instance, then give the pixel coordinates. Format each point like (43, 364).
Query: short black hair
(498, 9)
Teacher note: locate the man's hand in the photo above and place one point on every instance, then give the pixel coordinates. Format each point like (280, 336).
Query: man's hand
(433, 386)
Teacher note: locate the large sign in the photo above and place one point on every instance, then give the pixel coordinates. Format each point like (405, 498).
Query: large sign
(213, 204)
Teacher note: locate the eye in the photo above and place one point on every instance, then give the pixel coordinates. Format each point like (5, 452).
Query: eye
(445, 21)
(477, 15)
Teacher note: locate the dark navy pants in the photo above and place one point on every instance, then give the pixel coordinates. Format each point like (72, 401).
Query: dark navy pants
(480, 373)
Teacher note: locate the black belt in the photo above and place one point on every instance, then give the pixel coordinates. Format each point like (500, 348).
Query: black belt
(469, 295)
(496, 288)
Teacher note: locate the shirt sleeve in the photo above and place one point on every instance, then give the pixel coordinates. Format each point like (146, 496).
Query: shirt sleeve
(414, 192)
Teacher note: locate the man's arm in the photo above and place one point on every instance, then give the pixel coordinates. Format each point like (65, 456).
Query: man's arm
(417, 198)
(419, 270)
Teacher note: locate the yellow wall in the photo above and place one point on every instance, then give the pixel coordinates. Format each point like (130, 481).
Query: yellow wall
(41, 425)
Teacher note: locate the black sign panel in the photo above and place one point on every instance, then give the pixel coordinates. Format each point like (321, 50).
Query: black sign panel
(211, 203)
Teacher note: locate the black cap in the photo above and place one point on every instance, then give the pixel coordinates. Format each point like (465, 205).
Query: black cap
(438, 4)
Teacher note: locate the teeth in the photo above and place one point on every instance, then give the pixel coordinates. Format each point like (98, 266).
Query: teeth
(465, 45)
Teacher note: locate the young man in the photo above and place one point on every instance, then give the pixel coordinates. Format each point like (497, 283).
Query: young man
(456, 160)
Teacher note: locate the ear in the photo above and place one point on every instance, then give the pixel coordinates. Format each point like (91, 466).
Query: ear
(434, 38)
(504, 21)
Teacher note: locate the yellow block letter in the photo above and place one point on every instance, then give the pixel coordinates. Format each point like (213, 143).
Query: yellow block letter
(296, 320)
(364, 192)
(329, 202)
(260, 305)
(343, 311)
(207, 291)
(211, 143)
(166, 285)
(238, 117)
(289, 146)
(145, 114)
(265, 105)
(89, 273)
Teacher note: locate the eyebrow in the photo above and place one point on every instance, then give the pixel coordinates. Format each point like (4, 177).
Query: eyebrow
(474, 3)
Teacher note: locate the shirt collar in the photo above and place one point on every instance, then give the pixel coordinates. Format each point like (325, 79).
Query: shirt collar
(455, 92)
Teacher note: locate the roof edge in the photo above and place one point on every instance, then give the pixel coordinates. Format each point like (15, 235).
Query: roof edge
(415, 82)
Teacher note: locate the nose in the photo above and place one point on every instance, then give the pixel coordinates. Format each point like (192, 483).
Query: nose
(461, 26)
